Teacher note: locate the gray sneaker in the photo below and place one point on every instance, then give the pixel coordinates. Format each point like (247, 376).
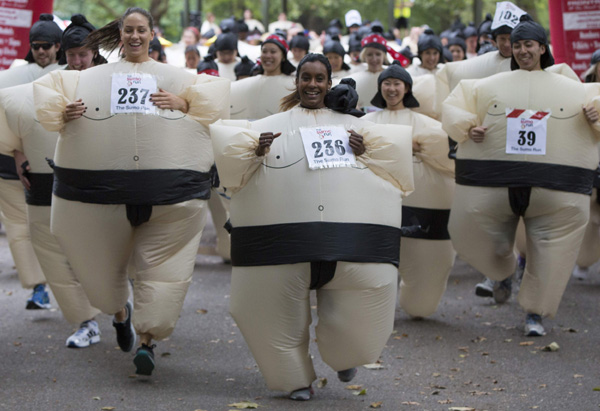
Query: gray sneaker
(533, 326)
(502, 290)
(485, 288)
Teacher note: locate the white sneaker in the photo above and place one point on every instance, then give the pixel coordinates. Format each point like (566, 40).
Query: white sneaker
(533, 326)
(485, 288)
(88, 333)
(581, 273)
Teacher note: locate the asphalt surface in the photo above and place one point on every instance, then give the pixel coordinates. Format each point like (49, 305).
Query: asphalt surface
(471, 354)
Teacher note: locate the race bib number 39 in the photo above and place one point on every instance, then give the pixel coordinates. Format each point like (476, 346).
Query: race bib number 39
(327, 147)
(526, 131)
(130, 93)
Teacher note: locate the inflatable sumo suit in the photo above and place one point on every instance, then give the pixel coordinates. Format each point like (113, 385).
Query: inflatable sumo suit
(336, 230)
(426, 255)
(589, 253)
(24, 133)
(549, 191)
(132, 186)
(13, 212)
(259, 96)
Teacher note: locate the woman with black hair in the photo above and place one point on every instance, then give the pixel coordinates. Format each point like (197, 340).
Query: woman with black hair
(526, 150)
(430, 53)
(131, 178)
(335, 53)
(315, 204)
(423, 278)
(258, 96)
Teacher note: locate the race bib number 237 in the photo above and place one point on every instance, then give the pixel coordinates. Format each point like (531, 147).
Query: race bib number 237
(130, 93)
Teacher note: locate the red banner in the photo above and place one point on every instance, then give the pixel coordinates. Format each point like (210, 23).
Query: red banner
(575, 32)
(16, 18)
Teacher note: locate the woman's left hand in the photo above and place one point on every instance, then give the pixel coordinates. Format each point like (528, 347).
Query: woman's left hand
(356, 143)
(169, 101)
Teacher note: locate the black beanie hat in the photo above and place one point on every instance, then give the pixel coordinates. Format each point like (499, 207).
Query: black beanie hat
(76, 33)
(486, 26)
(457, 41)
(470, 31)
(45, 29)
(226, 41)
(343, 98)
(395, 70)
(527, 29)
(208, 66)
(244, 67)
(334, 46)
(300, 41)
(354, 43)
(428, 40)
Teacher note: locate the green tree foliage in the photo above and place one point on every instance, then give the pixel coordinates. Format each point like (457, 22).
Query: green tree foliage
(313, 14)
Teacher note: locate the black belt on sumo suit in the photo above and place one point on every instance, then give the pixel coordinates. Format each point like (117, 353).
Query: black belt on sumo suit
(520, 176)
(139, 190)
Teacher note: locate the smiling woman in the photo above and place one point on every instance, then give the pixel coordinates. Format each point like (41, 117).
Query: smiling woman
(132, 169)
(315, 204)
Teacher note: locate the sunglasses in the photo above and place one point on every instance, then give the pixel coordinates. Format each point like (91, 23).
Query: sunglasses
(45, 46)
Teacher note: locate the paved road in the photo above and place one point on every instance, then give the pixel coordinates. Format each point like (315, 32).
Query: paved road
(471, 353)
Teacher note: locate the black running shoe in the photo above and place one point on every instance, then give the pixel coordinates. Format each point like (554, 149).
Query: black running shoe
(144, 359)
(125, 332)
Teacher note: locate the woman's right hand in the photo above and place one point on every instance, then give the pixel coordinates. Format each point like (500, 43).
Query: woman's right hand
(477, 134)
(74, 110)
(264, 142)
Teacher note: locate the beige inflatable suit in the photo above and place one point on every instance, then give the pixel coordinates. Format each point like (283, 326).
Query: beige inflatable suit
(259, 96)
(25, 134)
(336, 230)
(132, 186)
(13, 212)
(549, 191)
(426, 256)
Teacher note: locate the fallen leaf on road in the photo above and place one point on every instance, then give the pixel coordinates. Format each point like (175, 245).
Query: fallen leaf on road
(354, 387)
(477, 393)
(551, 347)
(202, 311)
(165, 354)
(448, 401)
(499, 389)
(376, 404)
(436, 374)
(322, 382)
(244, 405)
(578, 376)
(464, 349)
(461, 409)
(96, 398)
(361, 392)
(410, 403)
(597, 389)
(526, 343)
(374, 366)
(108, 408)
(508, 340)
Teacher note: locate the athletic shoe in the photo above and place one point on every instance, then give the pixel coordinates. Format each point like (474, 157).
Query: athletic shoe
(144, 359)
(39, 299)
(347, 375)
(485, 288)
(502, 290)
(87, 334)
(533, 326)
(581, 273)
(125, 331)
(303, 394)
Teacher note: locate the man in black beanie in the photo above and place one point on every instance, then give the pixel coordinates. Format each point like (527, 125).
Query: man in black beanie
(45, 37)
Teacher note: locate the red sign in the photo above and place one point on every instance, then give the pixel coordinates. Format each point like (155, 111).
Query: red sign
(575, 32)
(16, 18)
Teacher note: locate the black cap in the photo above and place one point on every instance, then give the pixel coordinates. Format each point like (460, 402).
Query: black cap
(354, 43)
(300, 41)
(485, 28)
(155, 45)
(244, 67)
(45, 29)
(395, 70)
(428, 40)
(343, 98)
(334, 46)
(527, 29)
(208, 66)
(75, 34)
(228, 25)
(226, 41)
(457, 41)
(470, 31)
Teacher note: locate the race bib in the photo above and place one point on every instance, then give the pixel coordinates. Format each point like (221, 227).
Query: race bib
(327, 147)
(130, 93)
(507, 14)
(526, 131)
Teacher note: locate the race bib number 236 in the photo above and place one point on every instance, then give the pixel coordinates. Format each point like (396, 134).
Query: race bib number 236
(327, 147)
(130, 93)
